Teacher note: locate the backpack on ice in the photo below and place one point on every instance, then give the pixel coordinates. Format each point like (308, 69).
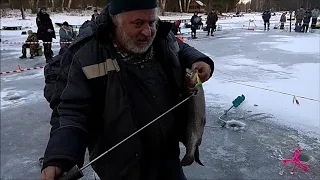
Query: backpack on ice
(298, 28)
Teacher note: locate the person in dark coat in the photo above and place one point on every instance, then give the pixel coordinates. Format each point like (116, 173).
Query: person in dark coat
(299, 16)
(266, 19)
(195, 22)
(283, 20)
(211, 22)
(94, 15)
(45, 32)
(306, 20)
(122, 71)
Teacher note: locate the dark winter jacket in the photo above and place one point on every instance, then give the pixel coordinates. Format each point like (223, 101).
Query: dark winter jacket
(92, 106)
(283, 18)
(307, 17)
(83, 26)
(266, 15)
(300, 13)
(195, 20)
(44, 23)
(212, 18)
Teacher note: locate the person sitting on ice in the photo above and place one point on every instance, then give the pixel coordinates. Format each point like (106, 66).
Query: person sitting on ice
(176, 27)
(32, 43)
(66, 35)
(266, 18)
(283, 20)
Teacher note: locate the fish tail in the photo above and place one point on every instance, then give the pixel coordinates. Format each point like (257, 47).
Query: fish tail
(187, 160)
(197, 156)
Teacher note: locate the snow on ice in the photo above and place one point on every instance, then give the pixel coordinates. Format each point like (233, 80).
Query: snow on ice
(11, 97)
(299, 79)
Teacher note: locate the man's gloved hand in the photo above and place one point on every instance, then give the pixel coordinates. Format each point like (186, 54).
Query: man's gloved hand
(204, 70)
(51, 173)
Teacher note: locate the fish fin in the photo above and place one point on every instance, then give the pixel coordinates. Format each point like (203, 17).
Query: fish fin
(187, 160)
(203, 121)
(197, 156)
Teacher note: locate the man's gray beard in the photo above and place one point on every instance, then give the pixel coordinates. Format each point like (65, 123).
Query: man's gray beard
(129, 44)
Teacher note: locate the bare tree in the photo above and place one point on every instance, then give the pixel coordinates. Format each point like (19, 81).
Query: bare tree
(69, 4)
(162, 4)
(180, 5)
(53, 5)
(10, 4)
(62, 5)
(37, 4)
(188, 6)
(22, 10)
(184, 5)
(32, 5)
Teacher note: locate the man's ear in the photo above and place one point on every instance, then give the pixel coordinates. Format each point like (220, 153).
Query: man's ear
(115, 21)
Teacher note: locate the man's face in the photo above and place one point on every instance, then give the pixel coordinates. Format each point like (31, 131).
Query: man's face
(95, 13)
(65, 27)
(43, 11)
(136, 30)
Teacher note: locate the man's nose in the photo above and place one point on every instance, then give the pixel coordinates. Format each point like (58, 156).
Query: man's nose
(147, 31)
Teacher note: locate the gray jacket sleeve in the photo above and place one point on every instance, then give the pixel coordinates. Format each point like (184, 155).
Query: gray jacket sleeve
(64, 35)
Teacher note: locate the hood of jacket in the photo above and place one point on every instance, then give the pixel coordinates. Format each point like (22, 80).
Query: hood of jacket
(43, 17)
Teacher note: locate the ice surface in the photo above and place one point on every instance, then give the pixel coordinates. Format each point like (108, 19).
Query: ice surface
(232, 38)
(296, 80)
(13, 97)
(302, 44)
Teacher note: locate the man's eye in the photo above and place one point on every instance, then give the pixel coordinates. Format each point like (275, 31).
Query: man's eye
(139, 24)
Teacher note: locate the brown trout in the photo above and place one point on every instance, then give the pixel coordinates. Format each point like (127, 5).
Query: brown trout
(195, 123)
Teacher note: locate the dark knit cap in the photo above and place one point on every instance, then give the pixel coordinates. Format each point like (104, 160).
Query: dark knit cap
(119, 6)
(65, 23)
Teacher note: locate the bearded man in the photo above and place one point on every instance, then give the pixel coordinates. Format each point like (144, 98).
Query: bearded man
(125, 69)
